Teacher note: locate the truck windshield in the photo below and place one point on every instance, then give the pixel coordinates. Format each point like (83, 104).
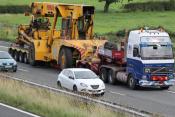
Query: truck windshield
(156, 47)
(156, 51)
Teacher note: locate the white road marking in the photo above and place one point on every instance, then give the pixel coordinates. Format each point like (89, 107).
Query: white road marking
(23, 70)
(117, 93)
(21, 111)
(171, 92)
(4, 47)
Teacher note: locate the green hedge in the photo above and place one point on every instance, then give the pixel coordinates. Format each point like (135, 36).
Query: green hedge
(151, 6)
(14, 9)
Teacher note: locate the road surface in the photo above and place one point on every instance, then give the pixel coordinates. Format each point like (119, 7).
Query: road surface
(161, 102)
(8, 111)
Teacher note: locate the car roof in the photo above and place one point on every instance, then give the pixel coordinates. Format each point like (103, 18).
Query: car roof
(77, 69)
(4, 51)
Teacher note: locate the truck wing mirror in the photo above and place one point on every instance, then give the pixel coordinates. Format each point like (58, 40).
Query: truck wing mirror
(136, 52)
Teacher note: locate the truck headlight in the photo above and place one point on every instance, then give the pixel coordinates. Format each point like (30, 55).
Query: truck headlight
(171, 76)
(83, 85)
(147, 70)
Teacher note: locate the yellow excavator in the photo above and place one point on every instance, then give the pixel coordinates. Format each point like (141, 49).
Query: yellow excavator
(58, 33)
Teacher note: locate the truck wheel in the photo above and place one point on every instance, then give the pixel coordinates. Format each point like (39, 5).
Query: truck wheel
(103, 75)
(16, 55)
(21, 57)
(132, 83)
(65, 59)
(165, 88)
(32, 55)
(111, 77)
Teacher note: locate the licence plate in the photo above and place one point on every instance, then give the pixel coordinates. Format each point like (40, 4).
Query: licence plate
(8, 66)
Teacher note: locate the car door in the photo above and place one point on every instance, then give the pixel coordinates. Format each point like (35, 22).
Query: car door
(67, 80)
(70, 82)
(64, 77)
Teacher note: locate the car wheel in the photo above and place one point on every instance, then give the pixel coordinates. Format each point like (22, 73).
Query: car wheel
(59, 84)
(103, 75)
(14, 69)
(132, 82)
(165, 88)
(75, 89)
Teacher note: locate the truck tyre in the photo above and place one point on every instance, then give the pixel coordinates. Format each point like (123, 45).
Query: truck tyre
(165, 88)
(21, 57)
(132, 83)
(65, 59)
(103, 75)
(16, 55)
(111, 77)
(32, 55)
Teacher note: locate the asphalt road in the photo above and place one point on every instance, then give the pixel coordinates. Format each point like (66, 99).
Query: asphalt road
(7, 111)
(161, 102)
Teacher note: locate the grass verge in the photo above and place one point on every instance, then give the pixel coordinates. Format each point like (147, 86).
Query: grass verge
(104, 23)
(48, 104)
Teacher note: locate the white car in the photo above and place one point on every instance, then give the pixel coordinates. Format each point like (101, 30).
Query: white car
(7, 62)
(81, 80)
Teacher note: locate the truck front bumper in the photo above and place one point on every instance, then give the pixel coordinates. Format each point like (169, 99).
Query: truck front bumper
(145, 83)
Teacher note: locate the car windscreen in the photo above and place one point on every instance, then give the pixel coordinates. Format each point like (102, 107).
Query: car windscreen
(85, 75)
(5, 55)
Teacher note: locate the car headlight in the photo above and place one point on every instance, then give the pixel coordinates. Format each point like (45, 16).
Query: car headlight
(83, 85)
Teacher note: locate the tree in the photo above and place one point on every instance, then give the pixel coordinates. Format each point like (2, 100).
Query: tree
(107, 4)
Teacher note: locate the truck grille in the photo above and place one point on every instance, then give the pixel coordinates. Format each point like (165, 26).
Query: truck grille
(95, 86)
(154, 70)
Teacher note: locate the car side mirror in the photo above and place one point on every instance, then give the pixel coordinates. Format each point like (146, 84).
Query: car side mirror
(71, 77)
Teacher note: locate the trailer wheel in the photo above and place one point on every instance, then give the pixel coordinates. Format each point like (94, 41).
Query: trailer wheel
(111, 77)
(132, 83)
(10, 51)
(25, 58)
(32, 55)
(65, 59)
(103, 75)
(21, 57)
(16, 55)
